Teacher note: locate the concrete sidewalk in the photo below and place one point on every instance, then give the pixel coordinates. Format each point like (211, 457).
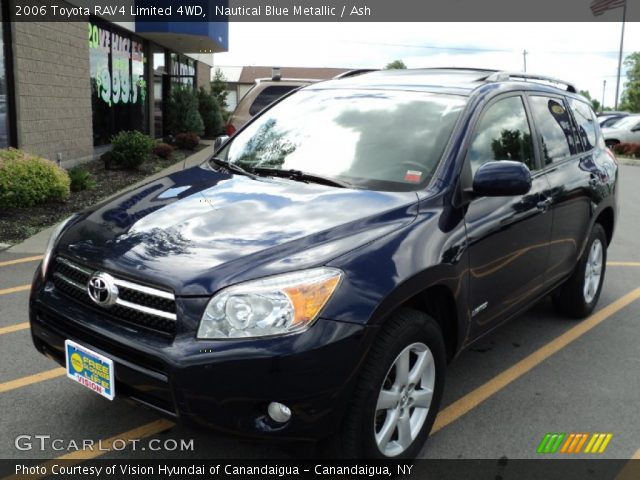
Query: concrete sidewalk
(36, 245)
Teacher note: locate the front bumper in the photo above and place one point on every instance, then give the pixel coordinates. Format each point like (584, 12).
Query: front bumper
(224, 385)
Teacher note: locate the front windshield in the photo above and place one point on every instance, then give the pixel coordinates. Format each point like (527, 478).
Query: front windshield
(380, 140)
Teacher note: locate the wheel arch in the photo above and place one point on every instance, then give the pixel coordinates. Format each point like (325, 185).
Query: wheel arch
(607, 220)
(442, 298)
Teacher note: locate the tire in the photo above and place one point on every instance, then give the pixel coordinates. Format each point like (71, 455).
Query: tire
(611, 143)
(573, 298)
(419, 335)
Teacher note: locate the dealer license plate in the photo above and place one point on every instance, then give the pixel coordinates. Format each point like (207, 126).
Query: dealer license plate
(90, 369)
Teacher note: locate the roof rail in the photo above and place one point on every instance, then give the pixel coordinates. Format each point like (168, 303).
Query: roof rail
(505, 76)
(353, 73)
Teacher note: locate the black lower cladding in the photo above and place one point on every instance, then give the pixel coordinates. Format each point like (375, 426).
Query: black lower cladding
(137, 376)
(62, 273)
(224, 385)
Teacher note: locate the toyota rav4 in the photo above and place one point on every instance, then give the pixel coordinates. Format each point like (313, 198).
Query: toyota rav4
(313, 278)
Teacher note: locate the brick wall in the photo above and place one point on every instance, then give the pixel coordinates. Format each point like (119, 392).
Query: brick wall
(203, 72)
(53, 91)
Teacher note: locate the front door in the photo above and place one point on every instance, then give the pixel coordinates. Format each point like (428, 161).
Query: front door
(508, 237)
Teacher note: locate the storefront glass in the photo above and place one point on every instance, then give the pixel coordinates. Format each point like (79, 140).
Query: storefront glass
(183, 70)
(4, 94)
(118, 82)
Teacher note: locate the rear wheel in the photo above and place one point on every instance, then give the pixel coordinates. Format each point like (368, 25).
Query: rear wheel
(611, 143)
(578, 296)
(399, 391)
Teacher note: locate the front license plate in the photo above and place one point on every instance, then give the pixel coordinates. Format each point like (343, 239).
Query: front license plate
(90, 369)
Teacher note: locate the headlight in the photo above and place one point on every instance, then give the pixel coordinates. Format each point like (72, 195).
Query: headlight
(52, 243)
(277, 305)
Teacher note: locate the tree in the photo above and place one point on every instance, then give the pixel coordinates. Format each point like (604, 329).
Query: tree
(210, 113)
(182, 111)
(219, 89)
(631, 93)
(396, 65)
(594, 103)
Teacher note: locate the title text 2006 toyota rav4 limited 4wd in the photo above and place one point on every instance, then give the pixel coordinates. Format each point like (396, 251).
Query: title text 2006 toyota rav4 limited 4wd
(313, 278)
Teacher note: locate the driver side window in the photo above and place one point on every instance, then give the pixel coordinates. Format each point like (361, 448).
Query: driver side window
(503, 133)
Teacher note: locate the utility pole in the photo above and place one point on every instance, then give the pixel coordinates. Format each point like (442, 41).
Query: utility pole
(604, 87)
(624, 17)
(524, 57)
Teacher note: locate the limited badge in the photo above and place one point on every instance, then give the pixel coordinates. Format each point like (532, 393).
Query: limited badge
(412, 176)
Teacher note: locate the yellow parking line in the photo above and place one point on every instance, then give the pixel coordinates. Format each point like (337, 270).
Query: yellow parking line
(14, 328)
(20, 288)
(623, 264)
(31, 379)
(631, 470)
(73, 458)
(463, 405)
(20, 260)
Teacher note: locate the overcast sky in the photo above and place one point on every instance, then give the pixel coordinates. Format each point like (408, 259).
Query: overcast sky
(583, 53)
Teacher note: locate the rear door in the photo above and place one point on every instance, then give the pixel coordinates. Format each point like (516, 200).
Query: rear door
(570, 161)
(508, 236)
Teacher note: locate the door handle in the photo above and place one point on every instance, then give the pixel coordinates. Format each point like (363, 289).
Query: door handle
(544, 205)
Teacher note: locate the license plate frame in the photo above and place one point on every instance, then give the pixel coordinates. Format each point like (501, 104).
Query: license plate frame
(90, 369)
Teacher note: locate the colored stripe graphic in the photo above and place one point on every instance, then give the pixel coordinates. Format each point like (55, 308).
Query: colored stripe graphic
(574, 442)
(599, 443)
(550, 442)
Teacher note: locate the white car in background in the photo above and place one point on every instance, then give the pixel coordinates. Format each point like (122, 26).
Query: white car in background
(626, 130)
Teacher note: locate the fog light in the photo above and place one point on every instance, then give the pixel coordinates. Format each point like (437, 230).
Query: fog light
(278, 412)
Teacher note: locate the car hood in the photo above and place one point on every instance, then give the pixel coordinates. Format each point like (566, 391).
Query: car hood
(199, 230)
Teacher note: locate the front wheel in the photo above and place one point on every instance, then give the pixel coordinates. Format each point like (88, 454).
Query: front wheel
(578, 296)
(399, 391)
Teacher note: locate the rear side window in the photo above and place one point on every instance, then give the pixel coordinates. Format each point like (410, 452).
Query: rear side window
(268, 96)
(554, 128)
(586, 122)
(503, 133)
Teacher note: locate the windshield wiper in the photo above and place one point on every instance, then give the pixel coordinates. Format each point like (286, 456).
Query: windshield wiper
(232, 167)
(301, 176)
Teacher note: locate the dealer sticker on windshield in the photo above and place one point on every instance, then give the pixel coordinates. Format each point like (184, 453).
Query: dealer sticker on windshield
(90, 369)
(413, 176)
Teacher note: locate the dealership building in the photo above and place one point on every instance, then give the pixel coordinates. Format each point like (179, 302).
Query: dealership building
(67, 87)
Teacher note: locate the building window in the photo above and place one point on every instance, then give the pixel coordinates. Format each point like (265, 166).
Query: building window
(118, 82)
(5, 93)
(183, 70)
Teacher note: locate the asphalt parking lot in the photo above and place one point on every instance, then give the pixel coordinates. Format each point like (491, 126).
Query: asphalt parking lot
(540, 373)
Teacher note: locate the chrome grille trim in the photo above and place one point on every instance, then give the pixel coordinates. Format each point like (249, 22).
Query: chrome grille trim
(144, 289)
(121, 283)
(75, 266)
(149, 310)
(69, 281)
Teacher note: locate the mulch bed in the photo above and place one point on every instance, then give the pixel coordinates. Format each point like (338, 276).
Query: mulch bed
(18, 224)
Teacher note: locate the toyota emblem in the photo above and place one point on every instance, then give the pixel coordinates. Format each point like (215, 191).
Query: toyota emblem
(102, 289)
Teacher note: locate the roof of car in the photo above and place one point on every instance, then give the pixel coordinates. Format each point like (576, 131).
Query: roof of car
(461, 81)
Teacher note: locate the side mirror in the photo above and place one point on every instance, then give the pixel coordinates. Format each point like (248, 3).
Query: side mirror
(503, 178)
(219, 141)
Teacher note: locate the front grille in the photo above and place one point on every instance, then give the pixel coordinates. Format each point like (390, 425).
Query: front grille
(136, 304)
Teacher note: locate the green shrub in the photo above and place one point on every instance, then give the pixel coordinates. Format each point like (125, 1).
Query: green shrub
(81, 179)
(163, 150)
(27, 180)
(131, 149)
(627, 149)
(210, 113)
(187, 141)
(182, 111)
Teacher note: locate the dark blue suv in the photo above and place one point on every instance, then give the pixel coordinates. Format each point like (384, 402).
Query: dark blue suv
(314, 277)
